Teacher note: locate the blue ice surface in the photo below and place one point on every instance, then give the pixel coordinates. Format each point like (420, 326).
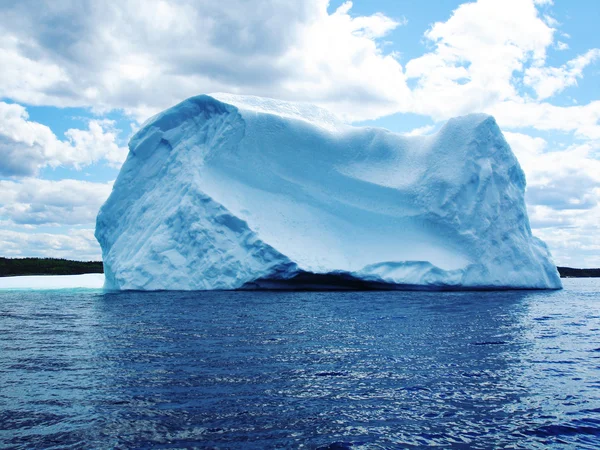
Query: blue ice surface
(270, 369)
(224, 191)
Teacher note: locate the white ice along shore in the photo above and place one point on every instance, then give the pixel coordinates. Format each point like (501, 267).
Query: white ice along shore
(43, 282)
(228, 192)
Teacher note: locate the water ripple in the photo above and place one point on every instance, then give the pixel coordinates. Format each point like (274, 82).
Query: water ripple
(334, 370)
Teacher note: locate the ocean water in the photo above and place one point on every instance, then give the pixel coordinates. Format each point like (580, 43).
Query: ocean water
(82, 369)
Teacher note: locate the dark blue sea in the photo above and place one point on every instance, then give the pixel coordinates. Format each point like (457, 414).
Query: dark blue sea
(82, 369)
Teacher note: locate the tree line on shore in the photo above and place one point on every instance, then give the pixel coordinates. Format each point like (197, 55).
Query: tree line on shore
(10, 267)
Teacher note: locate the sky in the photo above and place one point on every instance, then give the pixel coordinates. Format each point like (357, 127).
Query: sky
(79, 77)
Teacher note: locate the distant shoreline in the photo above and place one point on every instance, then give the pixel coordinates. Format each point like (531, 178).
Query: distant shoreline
(569, 272)
(12, 267)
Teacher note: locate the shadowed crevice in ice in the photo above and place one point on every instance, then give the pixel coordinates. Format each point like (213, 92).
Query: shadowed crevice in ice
(341, 281)
(306, 281)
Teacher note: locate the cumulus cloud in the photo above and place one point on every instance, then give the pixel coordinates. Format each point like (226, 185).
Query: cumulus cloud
(560, 180)
(563, 192)
(52, 203)
(77, 244)
(548, 81)
(145, 56)
(475, 55)
(572, 191)
(128, 54)
(583, 120)
(421, 131)
(574, 243)
(27, 146)
(30, 207)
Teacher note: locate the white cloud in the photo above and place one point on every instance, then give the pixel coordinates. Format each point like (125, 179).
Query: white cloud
(31, 78)
(583, 120)
(563, 197)
(78, 244)
(26, 146)
(476, 53)
(375, 26)
(421, 131)
(30, 206)
(576, 243)
(145, 56)
(96, 143)
(483, 54)
(561, 180)
(548, 81)
(562, 46)
(551, 21)
(44, 202)
(340, 66)
(527, 149)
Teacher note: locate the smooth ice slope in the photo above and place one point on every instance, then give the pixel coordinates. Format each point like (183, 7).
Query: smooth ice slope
(225, 192)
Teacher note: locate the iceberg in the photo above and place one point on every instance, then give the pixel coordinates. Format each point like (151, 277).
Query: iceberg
(239, 192)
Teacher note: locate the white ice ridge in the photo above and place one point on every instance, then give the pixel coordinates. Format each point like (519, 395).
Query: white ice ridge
(228, 192)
